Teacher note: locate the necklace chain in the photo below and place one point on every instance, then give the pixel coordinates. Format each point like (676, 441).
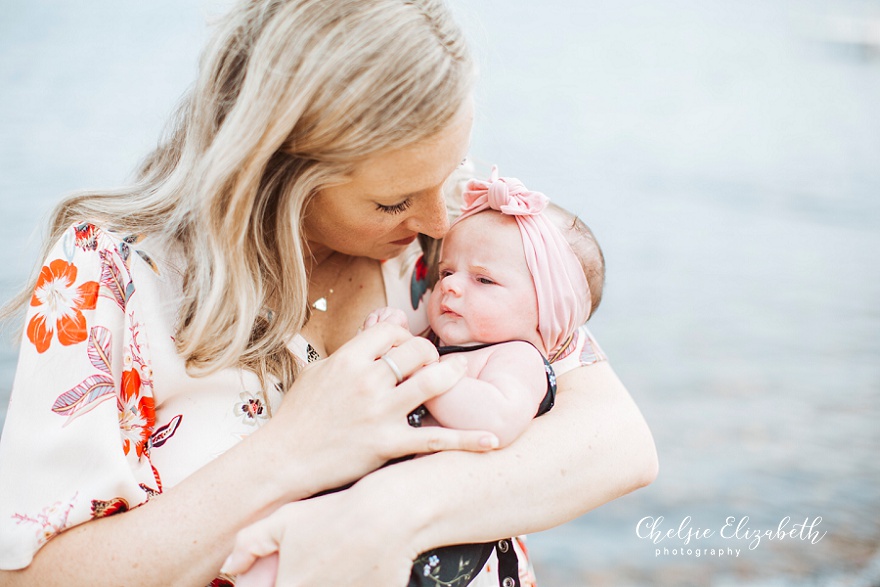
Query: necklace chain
(323, 303)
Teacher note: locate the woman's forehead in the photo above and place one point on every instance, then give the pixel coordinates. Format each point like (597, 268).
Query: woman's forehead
(418, 167)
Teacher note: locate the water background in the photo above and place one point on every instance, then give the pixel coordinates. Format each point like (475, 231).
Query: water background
(727, 155)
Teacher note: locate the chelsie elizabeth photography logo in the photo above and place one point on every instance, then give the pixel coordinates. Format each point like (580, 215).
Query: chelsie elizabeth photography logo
(735, 533)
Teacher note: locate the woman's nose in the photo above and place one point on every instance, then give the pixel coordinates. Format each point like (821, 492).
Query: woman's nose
(429, 216)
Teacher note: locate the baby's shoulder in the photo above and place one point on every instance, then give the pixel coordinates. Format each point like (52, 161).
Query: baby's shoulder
(517, 355)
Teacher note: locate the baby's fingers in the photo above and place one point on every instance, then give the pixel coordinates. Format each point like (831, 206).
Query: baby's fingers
(375, 341)
(372, 319)
(395, 316)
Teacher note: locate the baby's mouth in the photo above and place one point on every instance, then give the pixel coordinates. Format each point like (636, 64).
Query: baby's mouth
(447, 310)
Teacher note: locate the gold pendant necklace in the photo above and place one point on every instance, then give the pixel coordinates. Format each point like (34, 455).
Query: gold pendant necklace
(321, 304)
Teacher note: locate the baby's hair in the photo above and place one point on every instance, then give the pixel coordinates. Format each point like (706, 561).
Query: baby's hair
(585, 246)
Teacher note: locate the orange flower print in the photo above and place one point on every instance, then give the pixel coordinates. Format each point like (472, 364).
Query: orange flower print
(59, 304)
(137, 414)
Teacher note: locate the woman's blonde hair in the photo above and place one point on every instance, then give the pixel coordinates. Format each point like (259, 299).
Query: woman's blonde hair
(290, 95)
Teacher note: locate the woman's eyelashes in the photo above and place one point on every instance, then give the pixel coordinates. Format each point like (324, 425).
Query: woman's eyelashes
(394, 208)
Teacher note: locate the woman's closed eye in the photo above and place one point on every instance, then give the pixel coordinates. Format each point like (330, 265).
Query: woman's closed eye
(394, 208)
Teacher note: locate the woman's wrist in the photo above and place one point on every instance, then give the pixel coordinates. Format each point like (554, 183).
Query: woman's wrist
(283, 475)
(405, 511)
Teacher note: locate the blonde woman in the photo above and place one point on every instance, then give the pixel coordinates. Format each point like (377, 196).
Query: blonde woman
(167, 394)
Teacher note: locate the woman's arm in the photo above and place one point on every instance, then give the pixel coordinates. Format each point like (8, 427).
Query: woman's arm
(176, 538)
(593, 447)
(182, 536)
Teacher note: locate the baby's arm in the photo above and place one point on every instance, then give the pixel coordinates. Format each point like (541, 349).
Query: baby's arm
(502, 397)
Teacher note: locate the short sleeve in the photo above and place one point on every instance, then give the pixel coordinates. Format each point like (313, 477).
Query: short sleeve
(583, 350)
(76, 441)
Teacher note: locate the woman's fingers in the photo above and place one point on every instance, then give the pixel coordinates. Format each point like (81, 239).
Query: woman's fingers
(321, 547)
(436, 438)
(258, 540)
(431, 381)
(366, 421)
(395, 352)
(404, 360)
(263, 573)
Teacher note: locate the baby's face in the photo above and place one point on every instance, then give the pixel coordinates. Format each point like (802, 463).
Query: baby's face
(485, 292)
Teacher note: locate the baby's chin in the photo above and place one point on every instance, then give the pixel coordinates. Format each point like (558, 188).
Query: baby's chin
(448, 337)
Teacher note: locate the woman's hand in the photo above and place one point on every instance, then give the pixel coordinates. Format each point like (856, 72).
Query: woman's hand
(318, 546)
(347, 415)
(397, 512)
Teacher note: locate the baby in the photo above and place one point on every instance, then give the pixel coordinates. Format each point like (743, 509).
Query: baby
(516, 278)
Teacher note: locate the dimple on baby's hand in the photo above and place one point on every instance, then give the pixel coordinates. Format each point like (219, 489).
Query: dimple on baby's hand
(386, 314)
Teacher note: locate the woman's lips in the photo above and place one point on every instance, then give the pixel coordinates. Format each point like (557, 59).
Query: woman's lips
(404, 241)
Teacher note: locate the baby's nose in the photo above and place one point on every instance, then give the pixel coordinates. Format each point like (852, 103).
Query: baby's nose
(451, 284)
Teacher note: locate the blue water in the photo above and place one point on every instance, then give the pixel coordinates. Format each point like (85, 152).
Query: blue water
(727, 155)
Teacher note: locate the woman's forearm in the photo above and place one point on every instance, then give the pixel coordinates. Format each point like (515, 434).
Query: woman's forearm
(179, 538)
(342, 419)
(593, 447)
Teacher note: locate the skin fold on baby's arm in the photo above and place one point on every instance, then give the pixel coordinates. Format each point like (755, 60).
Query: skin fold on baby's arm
(500, 393)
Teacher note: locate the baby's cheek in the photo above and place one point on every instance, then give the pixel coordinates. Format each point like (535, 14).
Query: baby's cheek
(487, 328)
(433, 308)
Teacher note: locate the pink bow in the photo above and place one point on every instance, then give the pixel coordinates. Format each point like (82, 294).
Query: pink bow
(508, 195)
(564, 300)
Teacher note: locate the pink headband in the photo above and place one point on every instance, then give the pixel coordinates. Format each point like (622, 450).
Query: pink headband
(560, 284)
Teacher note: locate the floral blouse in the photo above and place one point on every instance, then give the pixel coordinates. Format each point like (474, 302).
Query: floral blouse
(103, 415)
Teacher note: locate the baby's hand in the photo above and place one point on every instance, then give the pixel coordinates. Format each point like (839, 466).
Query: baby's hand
(386, 314)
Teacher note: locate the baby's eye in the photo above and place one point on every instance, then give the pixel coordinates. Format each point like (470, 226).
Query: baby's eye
(485, 281)
(396, 208)
(445, 273)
